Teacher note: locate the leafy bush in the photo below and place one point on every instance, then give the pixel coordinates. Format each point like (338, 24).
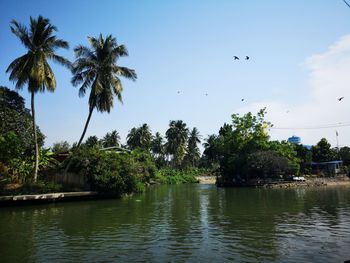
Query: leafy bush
(114, 173)
(174, 176)
(269, 164)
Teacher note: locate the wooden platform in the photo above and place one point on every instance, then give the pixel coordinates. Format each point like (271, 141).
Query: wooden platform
(65, 196)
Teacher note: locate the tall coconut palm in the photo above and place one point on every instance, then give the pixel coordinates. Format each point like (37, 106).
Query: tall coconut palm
(210, 152)
(140, 137)
(96, 68)
(157, 145)
(158, 150)
(177, 135)
(32, 68)
(193, 153)
(111, 139)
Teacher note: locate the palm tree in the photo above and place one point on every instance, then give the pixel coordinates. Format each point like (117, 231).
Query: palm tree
(92, 142)
(210, 152)
(157, 145)
(140, 137)
(193, 154)
(111, 139)
(33, 68)
(176, 141)
(96, 68)
(158, 150)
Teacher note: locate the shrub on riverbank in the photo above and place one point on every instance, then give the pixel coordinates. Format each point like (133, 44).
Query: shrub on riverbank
(40, 187)
(174, 176)
(114, 173)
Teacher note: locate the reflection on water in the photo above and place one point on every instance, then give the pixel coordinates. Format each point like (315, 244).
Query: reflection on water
(188, 223)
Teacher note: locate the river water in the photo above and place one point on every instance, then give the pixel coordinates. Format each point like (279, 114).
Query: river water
(184, 223)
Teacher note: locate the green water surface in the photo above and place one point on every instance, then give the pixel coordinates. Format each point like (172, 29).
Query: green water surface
(184, 223)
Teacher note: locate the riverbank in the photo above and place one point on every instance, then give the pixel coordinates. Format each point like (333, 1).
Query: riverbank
(206, 179)
(313, 182)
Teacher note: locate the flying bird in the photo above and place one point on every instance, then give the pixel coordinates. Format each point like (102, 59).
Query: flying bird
(235, 58)
(206, 94)
(246, 57)
(346, 3)
(242, 99)
(178, 92)
(340, 98)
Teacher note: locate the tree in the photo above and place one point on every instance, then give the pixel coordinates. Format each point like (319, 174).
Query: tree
(157, 146)
(32, 68)
(193, 153)
(140, 137)
(92, 141)
(15, 117)
(111, 139)
(322, 151)
(210, 156)
(60, 147)
(305, 156)
(344, 154)
(177, 135)
(247, 134)
(267, 164)
(96, 68)
(158, 149)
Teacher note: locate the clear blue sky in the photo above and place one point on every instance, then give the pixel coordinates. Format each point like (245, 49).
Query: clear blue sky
(184, 46)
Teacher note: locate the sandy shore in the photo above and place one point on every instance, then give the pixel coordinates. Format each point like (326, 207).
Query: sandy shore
(206, 179)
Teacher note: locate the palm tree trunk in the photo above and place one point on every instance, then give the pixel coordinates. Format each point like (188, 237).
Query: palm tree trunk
(36, 167)
(80, 140)
(86, 126)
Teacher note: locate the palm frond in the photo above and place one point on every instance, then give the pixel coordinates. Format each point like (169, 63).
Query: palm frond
(61, 60)
(125, 72)
(22, 33)
(121, 51)
(50, 80)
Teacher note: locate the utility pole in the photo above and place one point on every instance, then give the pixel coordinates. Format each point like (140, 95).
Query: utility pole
(336, 134)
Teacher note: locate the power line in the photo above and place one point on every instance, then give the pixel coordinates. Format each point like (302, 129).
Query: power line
(325, 126)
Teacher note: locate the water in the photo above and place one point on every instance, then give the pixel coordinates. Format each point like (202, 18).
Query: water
(184, 223)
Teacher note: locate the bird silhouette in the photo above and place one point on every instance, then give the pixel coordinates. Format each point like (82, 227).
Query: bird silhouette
(246, 57)
(178, 92)
(206, 94)
(339, 99)
(235, 58)
(346, 3)
(242, 99)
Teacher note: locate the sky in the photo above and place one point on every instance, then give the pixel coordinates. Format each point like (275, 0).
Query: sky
(183, 53)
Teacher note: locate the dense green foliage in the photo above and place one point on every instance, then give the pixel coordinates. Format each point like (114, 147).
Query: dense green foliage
(114, 173)
(140, 138)
(244, 151)
(193, 154)
(15, 117)
(322, 151)
(175, 176)
(177, 135)
(60, 147)
(111, 139)
(16, 140)
(344, 154)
